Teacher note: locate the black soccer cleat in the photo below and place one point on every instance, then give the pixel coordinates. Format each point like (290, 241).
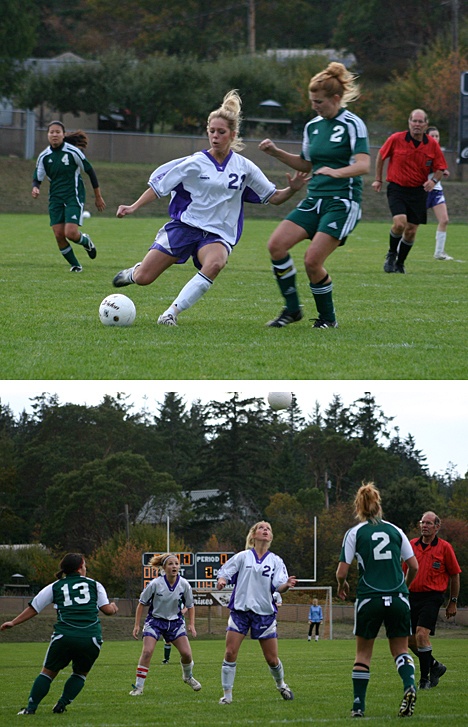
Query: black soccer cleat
(399, 268)
(437, 670)
(322, 323)
(285, 318)
(408, 702)
(59, 708)
(389, 264)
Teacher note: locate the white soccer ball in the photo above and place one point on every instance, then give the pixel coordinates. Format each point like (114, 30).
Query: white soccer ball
(117, 310)
(279, 400)
(86, 215)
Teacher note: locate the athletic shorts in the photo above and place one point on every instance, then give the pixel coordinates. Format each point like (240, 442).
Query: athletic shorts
(391, 611)
(82, 652)
(261, 627)
(70, 210)
(425, 606)
(409, 201)
(434, 198)
(182, 241)
(331, 215)
(169, 630)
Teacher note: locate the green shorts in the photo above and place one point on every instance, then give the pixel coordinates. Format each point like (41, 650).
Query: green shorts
(82, 652)
(61, 212)
(392, 611)
(333, 216)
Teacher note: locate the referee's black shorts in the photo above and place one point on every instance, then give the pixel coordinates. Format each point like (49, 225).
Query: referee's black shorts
(409, 201)
(425, 606)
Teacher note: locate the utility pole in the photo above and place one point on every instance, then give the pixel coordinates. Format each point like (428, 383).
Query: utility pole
(251, 25)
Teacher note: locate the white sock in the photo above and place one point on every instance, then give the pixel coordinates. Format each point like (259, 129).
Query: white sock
(228, 674)
(440, 242)
(277, 672)
(187, 670)
(192, 291)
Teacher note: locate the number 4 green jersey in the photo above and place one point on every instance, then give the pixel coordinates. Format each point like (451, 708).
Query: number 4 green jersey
(334, 143)
(77, 600)
(379, 549)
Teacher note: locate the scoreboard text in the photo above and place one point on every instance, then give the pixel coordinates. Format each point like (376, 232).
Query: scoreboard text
(201, 569)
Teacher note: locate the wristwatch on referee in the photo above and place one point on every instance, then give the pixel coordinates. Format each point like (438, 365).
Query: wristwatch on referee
(454, 599)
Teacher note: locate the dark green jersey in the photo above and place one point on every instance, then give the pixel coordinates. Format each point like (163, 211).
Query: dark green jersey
(63, 167)
(379, 549)
(77, 600)
(334, 143)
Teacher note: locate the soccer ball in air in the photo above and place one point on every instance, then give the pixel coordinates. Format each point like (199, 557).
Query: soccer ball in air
(117, 310)
(279, 400)
(86, 215)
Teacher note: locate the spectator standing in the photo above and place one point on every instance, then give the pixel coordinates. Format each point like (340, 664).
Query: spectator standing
(315, 619)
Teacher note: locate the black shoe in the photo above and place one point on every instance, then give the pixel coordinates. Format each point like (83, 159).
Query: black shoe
(284, 318)
(26, 710)
(437, 670)
(389, 264)
(322, 323)
(357, 713)
(424, 684)
(59, 708)
(408, 702)
(165, 661)
(90, 248)
(399, 268)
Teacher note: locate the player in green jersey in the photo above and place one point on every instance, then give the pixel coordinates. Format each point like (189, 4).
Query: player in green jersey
(382, 595)
(77, 634)
(335, 151)
(62, 162)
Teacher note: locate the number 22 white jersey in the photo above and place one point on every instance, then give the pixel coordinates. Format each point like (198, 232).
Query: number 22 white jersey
(255, 579)
(209, 195)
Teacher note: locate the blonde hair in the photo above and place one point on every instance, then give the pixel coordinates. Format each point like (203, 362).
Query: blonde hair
(159, 561)
(367, 503)
(230, 111)
(336, 79)
(249, 542)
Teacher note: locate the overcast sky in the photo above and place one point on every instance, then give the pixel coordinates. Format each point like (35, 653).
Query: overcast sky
(434, 412)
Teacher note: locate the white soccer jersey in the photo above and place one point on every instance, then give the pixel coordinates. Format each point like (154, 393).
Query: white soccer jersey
(209, 195)
(255, 579)
(164, 600)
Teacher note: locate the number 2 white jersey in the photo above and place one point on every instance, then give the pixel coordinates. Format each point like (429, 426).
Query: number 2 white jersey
(209, 195)
(255, 579)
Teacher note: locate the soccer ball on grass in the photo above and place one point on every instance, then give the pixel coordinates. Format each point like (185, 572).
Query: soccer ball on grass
(117, 310)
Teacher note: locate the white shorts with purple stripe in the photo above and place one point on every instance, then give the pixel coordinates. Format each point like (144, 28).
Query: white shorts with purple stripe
(169, 630)
(261, 627)
(434, 198)
(183, 241)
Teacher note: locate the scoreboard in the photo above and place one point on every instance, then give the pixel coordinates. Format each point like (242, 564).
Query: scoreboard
(200, 569)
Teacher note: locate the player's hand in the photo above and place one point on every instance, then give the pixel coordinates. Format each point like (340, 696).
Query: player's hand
(221, 584)
(291, 582)
(35, 192)
(192, 630)
(268, 147)
(298, 180)
(124, 209)
(7, 625)
(100, 204)
(135, 632)
(343, 591)
(376, 186)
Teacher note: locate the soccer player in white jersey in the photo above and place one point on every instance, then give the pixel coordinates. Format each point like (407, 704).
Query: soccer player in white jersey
(335, 150)
(382, 594)
(166, 596)
(208, 190)
(256, 574)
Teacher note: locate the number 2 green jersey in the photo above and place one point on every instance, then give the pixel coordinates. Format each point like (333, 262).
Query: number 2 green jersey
(334, 143)
(379, 549)
(77, 600)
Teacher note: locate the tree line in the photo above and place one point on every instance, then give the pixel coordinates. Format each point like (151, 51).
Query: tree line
(103, 479)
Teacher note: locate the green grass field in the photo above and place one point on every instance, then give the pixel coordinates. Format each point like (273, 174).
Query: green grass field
(390, 326)
(319, 674)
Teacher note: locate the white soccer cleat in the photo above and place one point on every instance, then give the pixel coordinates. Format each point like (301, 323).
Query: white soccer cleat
(167, 319)
(443, 256)
(192, 682)
(225, 700)
(136, 691)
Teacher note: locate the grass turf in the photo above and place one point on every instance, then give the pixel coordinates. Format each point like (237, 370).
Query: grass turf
(319, 674)
(390, 326)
